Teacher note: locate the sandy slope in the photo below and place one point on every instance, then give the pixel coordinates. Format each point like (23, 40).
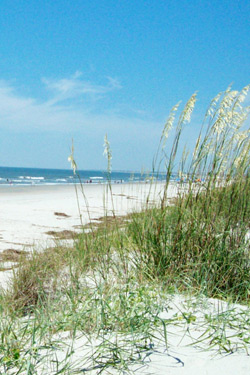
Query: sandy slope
(192, 348)
(26, 215)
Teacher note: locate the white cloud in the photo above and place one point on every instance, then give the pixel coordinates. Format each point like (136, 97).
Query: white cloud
(133, 138)
(20, 113)
(75, 87)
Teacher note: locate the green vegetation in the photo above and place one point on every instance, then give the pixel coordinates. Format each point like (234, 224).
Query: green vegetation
(200, 241)
(106, 297)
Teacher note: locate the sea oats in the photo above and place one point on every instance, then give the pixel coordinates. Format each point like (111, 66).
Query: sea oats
(241, 136)
(107, 152)
(197, 146)
(186, 117)
(219, 125)
(208, 147)
(243, 94)
(72, 160)
(169, 123)
(212, 108)
(242, 161)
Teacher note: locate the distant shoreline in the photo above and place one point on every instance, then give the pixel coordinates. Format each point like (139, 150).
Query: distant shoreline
(4, 188)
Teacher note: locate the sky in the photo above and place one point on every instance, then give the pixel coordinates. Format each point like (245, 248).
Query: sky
(78, 69)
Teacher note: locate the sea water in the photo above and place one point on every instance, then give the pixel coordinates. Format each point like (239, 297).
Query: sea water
(40, 176)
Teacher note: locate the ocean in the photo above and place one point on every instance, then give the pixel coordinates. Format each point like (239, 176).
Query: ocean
(41, 176)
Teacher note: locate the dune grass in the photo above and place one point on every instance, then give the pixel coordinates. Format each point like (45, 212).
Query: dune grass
(105, 297)
(201, 241)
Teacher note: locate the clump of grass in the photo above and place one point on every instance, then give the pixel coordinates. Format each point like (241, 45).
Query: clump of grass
(35, 279)
(201, 239)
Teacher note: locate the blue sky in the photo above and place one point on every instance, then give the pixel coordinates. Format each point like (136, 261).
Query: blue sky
(82, 68)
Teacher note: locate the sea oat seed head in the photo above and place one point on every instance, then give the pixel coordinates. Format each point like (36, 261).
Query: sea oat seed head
(169, 123)
(107, 152)
(72, 160)
(189, 108)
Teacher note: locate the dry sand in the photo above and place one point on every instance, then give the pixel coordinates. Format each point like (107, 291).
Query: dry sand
(191, 348)
(28, 213)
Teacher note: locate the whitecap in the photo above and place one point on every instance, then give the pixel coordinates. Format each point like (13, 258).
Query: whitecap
(34, 178)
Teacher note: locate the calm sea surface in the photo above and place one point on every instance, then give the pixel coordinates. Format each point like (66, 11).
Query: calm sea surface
(37, 176)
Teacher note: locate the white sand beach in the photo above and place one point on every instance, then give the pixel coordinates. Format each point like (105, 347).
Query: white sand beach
(28, 213)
